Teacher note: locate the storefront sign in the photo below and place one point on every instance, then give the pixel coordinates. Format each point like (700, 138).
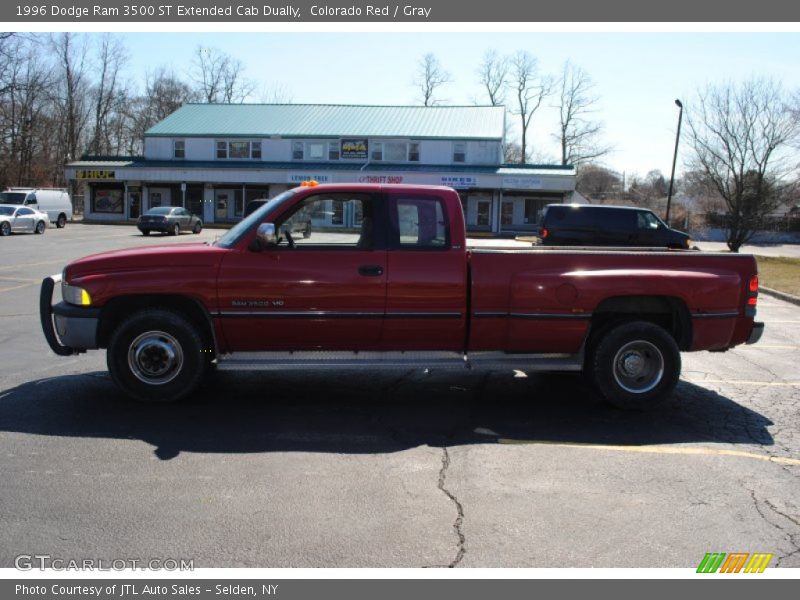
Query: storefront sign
(355, 149)
(380, 179)
(522, 183)
(301, 177)
(460, 182)
(94, 174)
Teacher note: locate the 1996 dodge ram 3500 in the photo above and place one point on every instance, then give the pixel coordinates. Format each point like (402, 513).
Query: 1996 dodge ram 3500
(385, 280)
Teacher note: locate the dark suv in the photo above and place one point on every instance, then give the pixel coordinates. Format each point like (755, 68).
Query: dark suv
(589, 225)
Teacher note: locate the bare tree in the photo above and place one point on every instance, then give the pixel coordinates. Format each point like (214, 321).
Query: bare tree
(578, 134)
(597, 182)
(108, 96)
(530, 90)
(277, 93)
(71, 92)
(493, 75)
(164, 93)
(430, 77)
(740, 135)
(25, 79)
(219, 77)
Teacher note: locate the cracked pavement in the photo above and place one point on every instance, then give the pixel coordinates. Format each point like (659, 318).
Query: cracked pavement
(415, 469)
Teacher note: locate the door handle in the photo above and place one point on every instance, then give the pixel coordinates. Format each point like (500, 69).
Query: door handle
(370, 270)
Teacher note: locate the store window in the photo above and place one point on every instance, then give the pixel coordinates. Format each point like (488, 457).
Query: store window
(534, 207)
(459, 152)
(108, 200)
(507, 213)
(179, 149)
(333, 151)
(484, 213)
(238, 150)
(394, 151)
(297, 150)
(315, 150)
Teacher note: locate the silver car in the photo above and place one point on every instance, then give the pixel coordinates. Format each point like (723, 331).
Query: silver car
(21, 219)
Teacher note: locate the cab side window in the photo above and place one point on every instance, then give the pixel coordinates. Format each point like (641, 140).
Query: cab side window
(336, 221)
(419, 223)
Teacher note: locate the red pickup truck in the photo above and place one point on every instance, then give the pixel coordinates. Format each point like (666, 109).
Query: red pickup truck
(385, 280)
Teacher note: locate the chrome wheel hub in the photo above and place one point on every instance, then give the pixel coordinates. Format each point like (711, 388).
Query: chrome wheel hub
(638, 367)
(155, 357)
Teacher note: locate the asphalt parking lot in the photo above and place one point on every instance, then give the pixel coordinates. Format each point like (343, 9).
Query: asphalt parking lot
(414, 469)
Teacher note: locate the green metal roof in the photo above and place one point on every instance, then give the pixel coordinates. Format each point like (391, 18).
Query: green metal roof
(329, 120)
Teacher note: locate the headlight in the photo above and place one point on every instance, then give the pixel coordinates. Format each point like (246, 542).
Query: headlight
(75, 295)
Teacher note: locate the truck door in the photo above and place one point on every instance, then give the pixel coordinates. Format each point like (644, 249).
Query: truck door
(427, 286)
(322, 288)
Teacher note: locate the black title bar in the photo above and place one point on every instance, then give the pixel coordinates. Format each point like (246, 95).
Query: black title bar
(420, 11)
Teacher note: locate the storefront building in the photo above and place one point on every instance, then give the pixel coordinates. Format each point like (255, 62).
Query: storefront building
(214, 158)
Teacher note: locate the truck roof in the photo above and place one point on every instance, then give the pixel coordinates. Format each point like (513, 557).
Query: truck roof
(376, 187)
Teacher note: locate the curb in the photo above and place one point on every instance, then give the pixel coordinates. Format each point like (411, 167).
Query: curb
(780, 295)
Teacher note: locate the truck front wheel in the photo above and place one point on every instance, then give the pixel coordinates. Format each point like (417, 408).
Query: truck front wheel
(156, 356)
(635, 365)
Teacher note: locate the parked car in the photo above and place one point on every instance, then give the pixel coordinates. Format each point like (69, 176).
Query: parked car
(301, 223)
(55, 202)
(414, 297)
(589, 225)
(21, 219)
(169, 219)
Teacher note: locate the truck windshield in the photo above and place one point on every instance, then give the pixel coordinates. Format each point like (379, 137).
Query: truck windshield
(235, 233)
(12, 197)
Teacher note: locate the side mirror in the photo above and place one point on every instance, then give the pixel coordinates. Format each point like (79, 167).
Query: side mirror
(265, 236)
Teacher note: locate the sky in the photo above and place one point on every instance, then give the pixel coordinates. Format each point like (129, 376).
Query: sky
(638, 76)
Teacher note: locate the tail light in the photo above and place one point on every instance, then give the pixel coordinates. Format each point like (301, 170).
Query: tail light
(752, 296)
(543, 233)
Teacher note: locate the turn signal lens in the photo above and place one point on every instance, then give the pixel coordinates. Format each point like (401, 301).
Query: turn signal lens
(75, 295)
(752, 301)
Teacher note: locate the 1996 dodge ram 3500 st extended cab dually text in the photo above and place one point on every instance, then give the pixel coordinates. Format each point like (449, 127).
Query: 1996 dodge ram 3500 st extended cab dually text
(385, 280)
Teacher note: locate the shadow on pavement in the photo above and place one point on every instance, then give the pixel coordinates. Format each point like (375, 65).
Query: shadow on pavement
(349, 412)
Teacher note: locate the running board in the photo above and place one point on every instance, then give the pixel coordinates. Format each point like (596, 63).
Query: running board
(279, 361)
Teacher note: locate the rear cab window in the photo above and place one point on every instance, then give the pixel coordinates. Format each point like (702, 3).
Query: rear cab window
(418, 222)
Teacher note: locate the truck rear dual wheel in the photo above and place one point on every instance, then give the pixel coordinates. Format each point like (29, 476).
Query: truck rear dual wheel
(635, 365)
(156, 356)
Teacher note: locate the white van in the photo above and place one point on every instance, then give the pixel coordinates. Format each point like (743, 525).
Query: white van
(55, 202)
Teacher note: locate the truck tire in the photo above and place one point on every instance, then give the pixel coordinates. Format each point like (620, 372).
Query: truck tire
(61, 221)
(635, 365)
(156, 355)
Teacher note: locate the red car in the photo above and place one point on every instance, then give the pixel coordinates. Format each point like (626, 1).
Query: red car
(387, 281)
